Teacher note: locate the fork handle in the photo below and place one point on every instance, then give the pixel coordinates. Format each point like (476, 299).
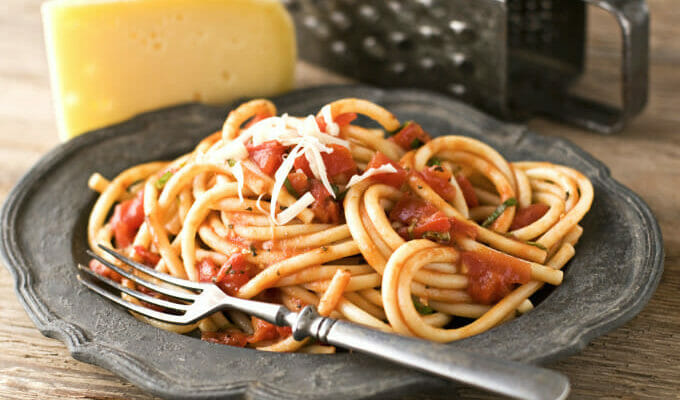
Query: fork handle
(505, 377)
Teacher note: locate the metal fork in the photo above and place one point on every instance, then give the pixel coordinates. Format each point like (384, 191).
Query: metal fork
(198, 300)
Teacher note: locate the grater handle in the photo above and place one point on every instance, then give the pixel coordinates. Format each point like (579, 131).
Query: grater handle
(633, 18)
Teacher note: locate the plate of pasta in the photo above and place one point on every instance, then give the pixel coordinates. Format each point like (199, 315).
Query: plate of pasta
(401, 210)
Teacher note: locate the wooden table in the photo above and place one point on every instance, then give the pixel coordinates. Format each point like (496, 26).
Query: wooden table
(640, 360)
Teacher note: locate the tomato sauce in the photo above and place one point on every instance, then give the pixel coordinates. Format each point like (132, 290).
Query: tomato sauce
(233, 274)
(299, 182)
(263, 330)
(395, 179)
(231, 337)
(468, 191)
(127, 217)
(146, 257)
(268, 155)
(411, 136)
(340, 164)
(493, 275)
(324, 207)
(528, 215)
(342, 120)
(420, 218)
(439, 180)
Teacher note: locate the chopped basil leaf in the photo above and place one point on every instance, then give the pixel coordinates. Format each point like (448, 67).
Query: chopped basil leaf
(252, 250)
(498, 211)
(339, 196)
(442, 237)
(163, 180)
(434, 161)
(416, 143)
(536, 244)
(231, 162)
(422, 308)
(290, 189)
(249, 208)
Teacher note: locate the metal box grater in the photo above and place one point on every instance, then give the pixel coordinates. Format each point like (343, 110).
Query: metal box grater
(513, 58)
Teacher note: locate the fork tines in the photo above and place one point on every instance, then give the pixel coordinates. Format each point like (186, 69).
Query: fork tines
(185, 289)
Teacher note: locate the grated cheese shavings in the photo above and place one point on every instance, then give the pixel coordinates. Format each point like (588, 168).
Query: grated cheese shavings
(331, 126)
(383, 169)
(237, 171)
(295, 209)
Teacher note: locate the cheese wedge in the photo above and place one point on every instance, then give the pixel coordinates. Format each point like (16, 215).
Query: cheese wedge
(112, 59)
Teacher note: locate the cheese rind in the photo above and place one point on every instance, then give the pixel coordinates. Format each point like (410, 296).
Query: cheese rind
(112, 59)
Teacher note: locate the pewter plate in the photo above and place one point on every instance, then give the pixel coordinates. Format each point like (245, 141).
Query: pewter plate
(616, 269)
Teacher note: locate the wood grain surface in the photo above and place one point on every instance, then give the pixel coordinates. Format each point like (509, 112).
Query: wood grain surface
(640, 360)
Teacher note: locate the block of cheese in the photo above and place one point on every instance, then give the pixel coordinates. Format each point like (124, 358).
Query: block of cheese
(112, 59)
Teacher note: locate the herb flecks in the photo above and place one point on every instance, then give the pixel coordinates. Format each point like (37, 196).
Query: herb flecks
(160, 183)
(536, 244)
(434, 161)
(231, 162)
(416, 143)
(422, 309)
(290, 188)
(498, 211)
(253, 251)
(439, 237)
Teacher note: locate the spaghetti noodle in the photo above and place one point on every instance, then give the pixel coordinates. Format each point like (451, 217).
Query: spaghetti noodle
(436, 238)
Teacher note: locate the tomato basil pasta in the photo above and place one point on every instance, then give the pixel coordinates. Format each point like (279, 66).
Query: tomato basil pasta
(437, 238)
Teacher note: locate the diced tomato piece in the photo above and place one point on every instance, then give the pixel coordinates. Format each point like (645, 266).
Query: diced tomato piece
(268, 155)
(342, 120)
(324, 207)
(207, 269)
(528, 215)
(411, 136)
(302, 164)
(230, 337)
(104, 271)
(234, 273)
(299, 182)
(410, 208)
(439, 180)
(395, 179)
(263, 330)
(256, 119)
(146, 257)
(468, 191)
(437, 222)
(419, 217)
(127, 217)
(492, 275)
(340, 164)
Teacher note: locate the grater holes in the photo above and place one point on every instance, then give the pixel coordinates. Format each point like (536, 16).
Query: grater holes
(340, 20)
(368, 13)
(373, 48)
